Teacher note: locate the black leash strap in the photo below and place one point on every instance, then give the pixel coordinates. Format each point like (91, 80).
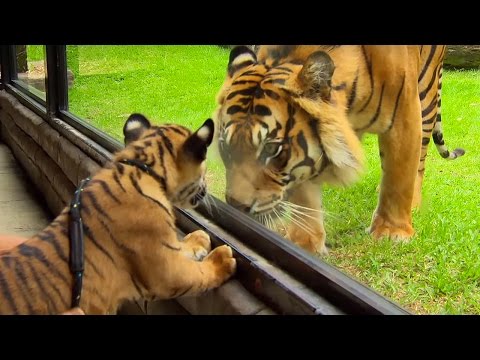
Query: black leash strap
(76, 244)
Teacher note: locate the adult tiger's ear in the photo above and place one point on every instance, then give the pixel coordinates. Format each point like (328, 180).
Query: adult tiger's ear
(240, 57)
(196, 145)
(316, 75)
(134, 127)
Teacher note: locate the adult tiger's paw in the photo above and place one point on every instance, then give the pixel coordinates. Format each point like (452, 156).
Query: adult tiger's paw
(383, 228)
(312, 241)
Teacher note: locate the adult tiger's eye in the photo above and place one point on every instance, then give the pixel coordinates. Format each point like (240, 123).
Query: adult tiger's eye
(272, 149)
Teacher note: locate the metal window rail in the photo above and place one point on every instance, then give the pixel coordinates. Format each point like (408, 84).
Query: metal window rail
(284, 276)
(328, 282)
(20, 85)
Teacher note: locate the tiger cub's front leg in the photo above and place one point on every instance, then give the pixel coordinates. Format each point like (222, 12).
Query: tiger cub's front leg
(306, 228)
(180, 273)
(190, 277)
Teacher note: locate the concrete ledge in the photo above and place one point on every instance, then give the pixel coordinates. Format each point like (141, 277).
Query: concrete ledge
(20, 210)
(37, 177)
(54, 164)
(229, 299)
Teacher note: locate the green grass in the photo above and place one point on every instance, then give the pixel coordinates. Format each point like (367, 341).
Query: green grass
(165, 83)
(35, 53)
(437, 272)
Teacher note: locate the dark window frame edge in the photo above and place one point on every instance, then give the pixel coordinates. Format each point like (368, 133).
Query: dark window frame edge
(328, 282)
(20, 85)
(272, 285)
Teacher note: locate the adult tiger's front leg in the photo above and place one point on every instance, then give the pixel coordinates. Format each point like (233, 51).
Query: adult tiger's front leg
(306, 228)
(400, 156)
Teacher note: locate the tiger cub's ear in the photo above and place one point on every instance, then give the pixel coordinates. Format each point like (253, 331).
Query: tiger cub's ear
(196, 145)
(240, 56)
(134, 127)
(316, 75)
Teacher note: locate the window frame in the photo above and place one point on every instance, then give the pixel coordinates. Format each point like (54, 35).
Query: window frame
(19, 84)
(1, 77)
(328, 282)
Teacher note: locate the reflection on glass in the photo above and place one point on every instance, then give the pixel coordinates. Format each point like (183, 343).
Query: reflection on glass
(166, 83)
(30, 61)
(284, 132)
(180, 84)
(269, 136)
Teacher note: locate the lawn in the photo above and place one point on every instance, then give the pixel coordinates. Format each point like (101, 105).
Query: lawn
(166, 83)
(437, 272)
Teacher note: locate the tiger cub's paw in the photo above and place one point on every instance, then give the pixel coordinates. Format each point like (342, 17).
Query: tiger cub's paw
(197, 245)
(223, 263)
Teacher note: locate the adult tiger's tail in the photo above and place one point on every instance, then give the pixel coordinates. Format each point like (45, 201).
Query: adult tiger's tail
(440, 144)
(437, 133)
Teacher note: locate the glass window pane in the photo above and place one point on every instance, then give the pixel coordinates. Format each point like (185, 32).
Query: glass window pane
(180, 84)
(30, 68)
(430, 272)
(165, 83)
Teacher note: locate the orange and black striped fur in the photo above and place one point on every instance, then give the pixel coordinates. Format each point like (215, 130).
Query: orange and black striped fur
(131, 245)
(291, 117)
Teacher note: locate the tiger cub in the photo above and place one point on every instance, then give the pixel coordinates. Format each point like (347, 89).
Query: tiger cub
(130, 240)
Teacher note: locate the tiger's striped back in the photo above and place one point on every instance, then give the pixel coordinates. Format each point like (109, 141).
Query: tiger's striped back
(130, 240)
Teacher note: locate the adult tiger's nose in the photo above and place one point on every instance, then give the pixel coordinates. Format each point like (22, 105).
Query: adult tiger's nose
(237, 204)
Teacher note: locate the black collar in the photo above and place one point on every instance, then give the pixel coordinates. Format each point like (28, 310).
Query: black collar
(76, 244)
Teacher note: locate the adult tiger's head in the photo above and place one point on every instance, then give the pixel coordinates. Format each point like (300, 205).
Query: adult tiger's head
(175, 155)
(280, 124)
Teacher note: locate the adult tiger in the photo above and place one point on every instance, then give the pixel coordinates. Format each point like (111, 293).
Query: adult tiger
(292, 117)
(131, 245)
